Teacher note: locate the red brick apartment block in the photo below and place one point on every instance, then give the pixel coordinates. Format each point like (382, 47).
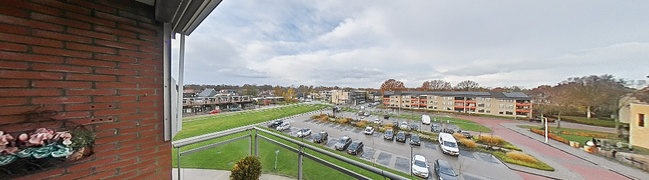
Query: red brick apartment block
(96, 63)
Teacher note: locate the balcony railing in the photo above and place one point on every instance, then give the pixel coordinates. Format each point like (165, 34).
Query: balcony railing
(253, 133)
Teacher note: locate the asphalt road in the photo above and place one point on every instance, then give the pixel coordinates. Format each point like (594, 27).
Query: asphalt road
(396, 155)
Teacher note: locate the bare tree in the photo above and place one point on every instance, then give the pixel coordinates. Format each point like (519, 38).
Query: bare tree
(467, 85)
(392, 85)
(436, 85)
(592, 91)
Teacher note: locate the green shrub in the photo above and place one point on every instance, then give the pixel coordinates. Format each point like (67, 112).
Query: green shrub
(491, 140)
(468, 143)
(361, 123)
(458, 136)
(521, 157)
(248, 168)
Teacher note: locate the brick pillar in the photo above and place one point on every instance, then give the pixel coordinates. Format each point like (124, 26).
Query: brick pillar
(97, 63)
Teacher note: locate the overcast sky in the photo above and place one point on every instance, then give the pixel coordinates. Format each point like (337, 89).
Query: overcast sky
(361, 43)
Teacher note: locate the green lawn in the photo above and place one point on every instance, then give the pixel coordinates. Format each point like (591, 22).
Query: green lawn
(572, 137)
(591, 121)
(203, 125)
(223, 157)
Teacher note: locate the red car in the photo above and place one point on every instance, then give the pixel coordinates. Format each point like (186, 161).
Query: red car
(214, 112)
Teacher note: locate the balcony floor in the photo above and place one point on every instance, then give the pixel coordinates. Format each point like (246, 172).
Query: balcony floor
(187, 173)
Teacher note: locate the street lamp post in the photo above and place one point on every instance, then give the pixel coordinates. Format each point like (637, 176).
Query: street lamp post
(411, 160)
(276, 154)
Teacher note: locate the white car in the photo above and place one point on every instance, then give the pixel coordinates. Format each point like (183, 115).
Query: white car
(283, 126)
(419, 166)
(303, 132)
(425, 119)
(369, 130)
(448, 144)
(377, 121)
(403, 125)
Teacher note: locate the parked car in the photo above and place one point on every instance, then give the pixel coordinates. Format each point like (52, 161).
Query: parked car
(377, 121)
(234, 109)
(419, 166)
(414, 127)
(304, 132)
(436, 128)
(284, 126)
(414, 140)
(425, 119)
(320, 137)
(216, 111)
(386, 117)
(275, 123)
(466, 134)
(401, 137)
(448, 144)
(444, 170)
(403, 125)
(355, 148)
(388, 135)
(369, 130)
(343, 143)
(451, 129)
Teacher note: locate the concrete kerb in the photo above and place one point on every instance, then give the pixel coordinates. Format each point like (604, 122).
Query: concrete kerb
(567, 152)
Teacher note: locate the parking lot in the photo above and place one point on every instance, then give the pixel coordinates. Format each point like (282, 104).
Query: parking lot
(396, 155)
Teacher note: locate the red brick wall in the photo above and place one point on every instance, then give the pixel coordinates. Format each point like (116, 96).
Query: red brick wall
(97, 63)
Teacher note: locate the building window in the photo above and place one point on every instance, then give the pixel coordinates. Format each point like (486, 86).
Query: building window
(641, 120)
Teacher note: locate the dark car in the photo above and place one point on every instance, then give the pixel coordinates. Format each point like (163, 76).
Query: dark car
(444, 170)
(401, 137)
(414, 140)
(355, 148)
(343, 143)
(451, 129)
(320, 137)
(386, 117)
(388, 135)
(414, 127)
(466, 134)
(436, 128)
(275, 123)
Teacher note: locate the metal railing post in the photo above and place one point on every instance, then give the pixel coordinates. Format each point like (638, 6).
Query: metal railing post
(299, 164)
(256, 145)
(178, 164)
(250, 142)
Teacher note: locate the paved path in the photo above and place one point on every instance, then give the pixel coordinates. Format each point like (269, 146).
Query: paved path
(198, 174)
(570, 163)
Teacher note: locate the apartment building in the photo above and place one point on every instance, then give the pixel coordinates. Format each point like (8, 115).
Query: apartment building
(514, 104)
(348, 97)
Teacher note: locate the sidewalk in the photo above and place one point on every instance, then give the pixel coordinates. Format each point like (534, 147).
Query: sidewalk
(600, 162)
(192, 174)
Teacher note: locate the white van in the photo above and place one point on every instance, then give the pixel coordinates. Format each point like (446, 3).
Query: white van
(448, 144)
(425, 119)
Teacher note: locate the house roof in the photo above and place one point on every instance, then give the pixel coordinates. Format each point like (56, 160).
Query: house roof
(184, 16)
(500, 95)
(208, 93)
(642, 95)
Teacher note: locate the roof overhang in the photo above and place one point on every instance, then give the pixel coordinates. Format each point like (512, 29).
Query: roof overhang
(183, 15)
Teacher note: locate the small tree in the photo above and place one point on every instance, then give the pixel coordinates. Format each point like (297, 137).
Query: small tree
(248, 168)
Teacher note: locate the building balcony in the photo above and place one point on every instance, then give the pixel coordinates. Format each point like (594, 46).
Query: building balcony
(523, 110)
(523, 104)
